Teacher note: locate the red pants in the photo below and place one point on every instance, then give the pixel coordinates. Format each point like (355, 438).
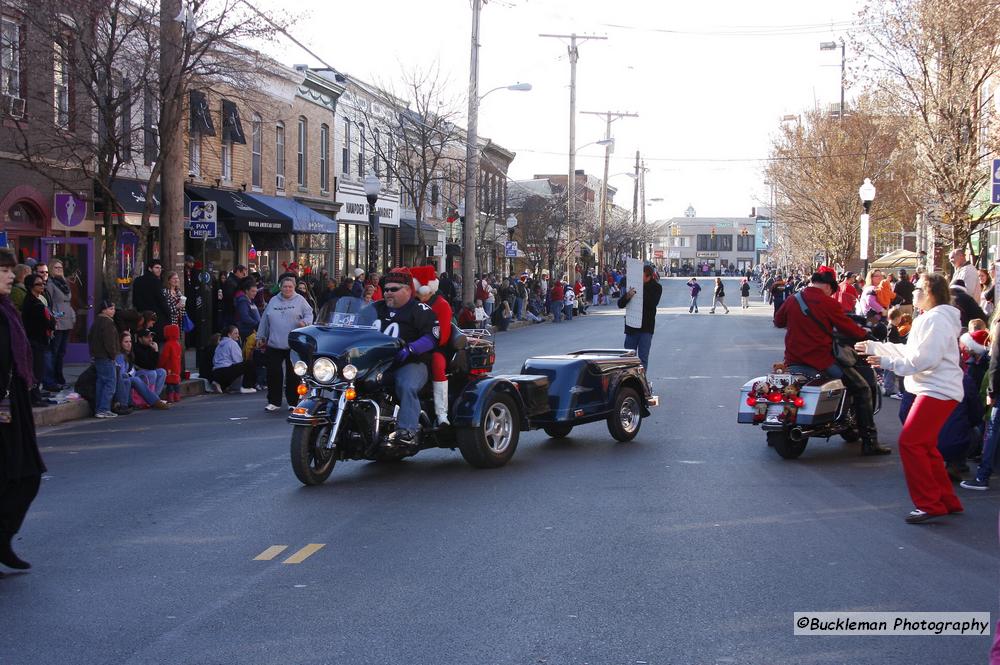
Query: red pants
(439, 367)
(926, 478)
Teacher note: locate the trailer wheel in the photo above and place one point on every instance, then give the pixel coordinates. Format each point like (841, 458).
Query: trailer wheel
(492, 443)
(625, 418)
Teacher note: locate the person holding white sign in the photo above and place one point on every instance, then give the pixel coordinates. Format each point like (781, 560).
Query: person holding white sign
(640, 338)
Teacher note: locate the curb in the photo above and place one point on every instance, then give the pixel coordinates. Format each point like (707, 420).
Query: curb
(79, 409)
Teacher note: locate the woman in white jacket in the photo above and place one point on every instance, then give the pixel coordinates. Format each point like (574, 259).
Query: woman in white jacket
(929, 363)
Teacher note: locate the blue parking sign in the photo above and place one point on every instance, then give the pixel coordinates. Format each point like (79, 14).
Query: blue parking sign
(995, 173)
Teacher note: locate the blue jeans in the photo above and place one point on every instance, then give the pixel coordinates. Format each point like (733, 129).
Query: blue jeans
(410, 378)
(519, 308)
(488, 308)
(694, 304)
(557, 308)
(106, 380)
(640, 342)
(54, 359)
(985, 469)
(567, 311)
(157, 377)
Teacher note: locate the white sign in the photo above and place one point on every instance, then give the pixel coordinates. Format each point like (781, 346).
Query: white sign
(633, 280)
(355, 209)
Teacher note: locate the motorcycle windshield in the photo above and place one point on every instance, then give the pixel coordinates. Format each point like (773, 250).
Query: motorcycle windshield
(345, 340)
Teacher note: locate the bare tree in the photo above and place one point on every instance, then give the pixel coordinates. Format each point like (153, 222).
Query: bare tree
(423, 142)
(932, 61)
(109, 52)
(816, 168)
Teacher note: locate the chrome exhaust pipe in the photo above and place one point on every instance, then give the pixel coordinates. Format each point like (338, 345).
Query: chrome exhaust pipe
(796, 434)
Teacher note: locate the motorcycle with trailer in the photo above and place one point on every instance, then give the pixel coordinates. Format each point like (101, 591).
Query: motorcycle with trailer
(347, 408)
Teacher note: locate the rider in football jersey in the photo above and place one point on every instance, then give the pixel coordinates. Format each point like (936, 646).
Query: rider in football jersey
(401, 316)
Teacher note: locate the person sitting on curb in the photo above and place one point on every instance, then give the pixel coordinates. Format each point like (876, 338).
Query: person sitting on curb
(146, 354)
(129, 380)
(228, 364)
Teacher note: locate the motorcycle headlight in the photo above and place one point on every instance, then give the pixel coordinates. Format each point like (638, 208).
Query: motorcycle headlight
(349, 372)
(324, 370)
(300, 368)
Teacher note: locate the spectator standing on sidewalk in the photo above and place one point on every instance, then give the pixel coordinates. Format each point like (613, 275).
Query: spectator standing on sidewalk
(18, 291)
(929, 361)
(247, 314)
(966, 272)
(284, 313)
(846, 294)
(745, 293)
(170, 360)
(695, 290)
(988, 460)
(641, 339)
(21, 465)
(719, 296)
(103, 343)
(61, 305)
(38, 325)
(147, 293)
(556, 300)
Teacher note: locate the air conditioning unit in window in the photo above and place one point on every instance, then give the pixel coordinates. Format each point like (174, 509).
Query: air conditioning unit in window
(16, 108)
(280, 182)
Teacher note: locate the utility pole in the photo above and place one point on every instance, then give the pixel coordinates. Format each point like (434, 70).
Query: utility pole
(471, 166)
(171, 129)
(642, 208)
(843, 75)
(610, 117)
(574, 55)
(635, 190)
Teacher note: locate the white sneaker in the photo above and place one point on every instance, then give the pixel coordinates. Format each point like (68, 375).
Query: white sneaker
(247, 391)
(272, 407)
(105, 414)
(216, 387)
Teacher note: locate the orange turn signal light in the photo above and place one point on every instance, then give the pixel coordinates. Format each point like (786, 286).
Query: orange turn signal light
(299, 411)
(350, 394)
(302, 390)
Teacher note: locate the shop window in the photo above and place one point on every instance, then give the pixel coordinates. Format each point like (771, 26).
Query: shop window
(279, 156)
(324, 158)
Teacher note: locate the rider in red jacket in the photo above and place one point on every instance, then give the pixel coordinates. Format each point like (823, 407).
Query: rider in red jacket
(425, 286)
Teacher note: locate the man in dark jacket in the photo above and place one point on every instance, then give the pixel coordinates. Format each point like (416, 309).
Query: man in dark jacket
(641, 338)
(229, 289)
(104, 346)
(147, 293)
(965, 303)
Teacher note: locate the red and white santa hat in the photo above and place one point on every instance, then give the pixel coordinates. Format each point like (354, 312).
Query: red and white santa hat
(425, 279)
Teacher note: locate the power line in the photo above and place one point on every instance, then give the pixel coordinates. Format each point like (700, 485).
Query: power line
(704, 159)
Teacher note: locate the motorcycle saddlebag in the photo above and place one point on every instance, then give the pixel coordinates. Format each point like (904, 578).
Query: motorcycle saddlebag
(823, 397)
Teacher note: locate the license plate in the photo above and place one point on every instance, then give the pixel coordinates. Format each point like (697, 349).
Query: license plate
(779, 379)
(773, 411)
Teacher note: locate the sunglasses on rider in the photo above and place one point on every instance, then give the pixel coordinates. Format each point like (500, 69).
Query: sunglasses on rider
(392, 289)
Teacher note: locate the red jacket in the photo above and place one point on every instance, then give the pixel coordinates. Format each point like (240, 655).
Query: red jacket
(442, 309)
(170, 353)
(847, 296)
(805, 343)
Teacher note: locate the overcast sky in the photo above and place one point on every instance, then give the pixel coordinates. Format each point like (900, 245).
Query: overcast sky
(705, 90)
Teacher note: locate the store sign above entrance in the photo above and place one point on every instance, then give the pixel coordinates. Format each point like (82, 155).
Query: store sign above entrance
(69, 213)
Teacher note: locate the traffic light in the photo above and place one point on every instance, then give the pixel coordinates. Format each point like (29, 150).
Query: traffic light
(674, 231)
(713, 233)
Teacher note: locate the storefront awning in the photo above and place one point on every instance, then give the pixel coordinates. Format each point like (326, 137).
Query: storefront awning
(241, 212)
(304, 218)
(408, 232)
(130, 199)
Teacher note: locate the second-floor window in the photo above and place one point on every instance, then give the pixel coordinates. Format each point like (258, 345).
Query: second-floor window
(745, 243)
(10, 57)
(345, 166)
(256, 177)
(301, 153)
(361, 151)
(226, 159)
(279, 156)
(194, 155)
(718, 243)
(60, 89)
(375, 151)
(324, 158)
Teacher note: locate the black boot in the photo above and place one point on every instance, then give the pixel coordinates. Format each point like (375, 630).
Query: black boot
(870, 446)
(7, 556)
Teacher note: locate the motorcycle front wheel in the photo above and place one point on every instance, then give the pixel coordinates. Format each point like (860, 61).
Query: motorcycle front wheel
(312, 465)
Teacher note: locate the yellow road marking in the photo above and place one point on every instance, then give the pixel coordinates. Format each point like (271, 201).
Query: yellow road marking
(270, 552)
(304, 553)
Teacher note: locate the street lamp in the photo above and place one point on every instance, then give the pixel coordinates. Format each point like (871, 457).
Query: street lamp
(511, 224)
(372, 187)
(550, 234)
(472, 162)
(832, 46)
(867, 194)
